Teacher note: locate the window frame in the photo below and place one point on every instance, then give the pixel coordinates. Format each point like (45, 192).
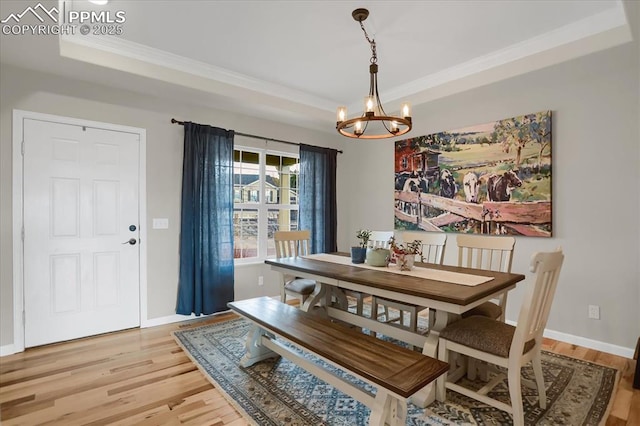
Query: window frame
(263, 206)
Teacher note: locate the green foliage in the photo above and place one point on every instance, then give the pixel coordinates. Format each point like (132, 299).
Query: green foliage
(516, 132)
(363, 235)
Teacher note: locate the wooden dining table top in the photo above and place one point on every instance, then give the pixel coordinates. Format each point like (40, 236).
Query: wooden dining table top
(383, 278)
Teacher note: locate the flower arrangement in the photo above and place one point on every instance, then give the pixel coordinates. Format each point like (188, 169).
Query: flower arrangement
(405, 253)
(414, 247)
(363, 235)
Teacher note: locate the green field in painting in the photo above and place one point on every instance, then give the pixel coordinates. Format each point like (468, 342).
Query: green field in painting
(487, 159)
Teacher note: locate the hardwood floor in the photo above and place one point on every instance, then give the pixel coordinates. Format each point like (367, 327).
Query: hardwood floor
(141, 376)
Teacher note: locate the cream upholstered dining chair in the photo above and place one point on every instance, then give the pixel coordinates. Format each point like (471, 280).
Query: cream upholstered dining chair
(293, 244)
(489, 253)
(504, 345)
(433, 245)
(377, 239)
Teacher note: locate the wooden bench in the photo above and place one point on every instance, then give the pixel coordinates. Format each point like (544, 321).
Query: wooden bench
(396, 372)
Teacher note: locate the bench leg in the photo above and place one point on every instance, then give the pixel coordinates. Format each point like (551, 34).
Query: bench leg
(388, 410)
(255, 351)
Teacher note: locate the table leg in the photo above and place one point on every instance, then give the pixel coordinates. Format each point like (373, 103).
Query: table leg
(427, 394)
(341, 299)
(314, 298)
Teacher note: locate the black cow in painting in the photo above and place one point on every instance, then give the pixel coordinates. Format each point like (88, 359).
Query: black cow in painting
(499, 188)
(411, 182)
(448, 187)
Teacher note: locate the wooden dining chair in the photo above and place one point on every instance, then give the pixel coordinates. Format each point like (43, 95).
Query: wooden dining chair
(492, 254)
(433, 245)
(504, 345)
(293, 244)
(377, 239)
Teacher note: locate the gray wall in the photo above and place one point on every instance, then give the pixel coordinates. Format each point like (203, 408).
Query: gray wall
(596, 176)
(31, 91)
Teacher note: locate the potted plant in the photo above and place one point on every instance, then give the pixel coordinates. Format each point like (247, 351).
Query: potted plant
(358, 253)
(405, 254)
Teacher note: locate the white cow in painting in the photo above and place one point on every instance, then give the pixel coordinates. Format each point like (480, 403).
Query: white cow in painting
(471, 186)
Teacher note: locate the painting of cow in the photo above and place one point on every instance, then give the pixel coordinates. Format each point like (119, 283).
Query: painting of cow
(471, 187)
(500, 187)
(448, 187)
(492, 178)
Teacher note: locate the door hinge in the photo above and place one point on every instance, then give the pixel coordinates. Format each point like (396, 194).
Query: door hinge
(24, 318)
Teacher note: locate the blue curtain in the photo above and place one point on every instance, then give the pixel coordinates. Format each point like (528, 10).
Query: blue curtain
(318, 210)
(206, 229)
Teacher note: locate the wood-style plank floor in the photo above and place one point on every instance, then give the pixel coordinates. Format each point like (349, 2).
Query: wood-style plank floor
(141, 376)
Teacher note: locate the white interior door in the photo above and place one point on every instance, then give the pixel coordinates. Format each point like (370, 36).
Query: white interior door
(80, 207)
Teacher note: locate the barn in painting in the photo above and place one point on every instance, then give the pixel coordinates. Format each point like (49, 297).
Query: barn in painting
(493, 178)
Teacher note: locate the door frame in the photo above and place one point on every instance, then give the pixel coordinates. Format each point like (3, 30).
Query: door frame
(18, 211)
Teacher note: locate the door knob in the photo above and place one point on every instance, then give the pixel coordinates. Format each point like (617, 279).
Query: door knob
(131, 241)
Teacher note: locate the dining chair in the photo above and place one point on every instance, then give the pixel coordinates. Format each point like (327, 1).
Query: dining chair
(433, 245)
(492, 254)
(510, 347)
(293, 244)
(377, 239)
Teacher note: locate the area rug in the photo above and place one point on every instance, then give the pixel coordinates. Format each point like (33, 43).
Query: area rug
(277, 392)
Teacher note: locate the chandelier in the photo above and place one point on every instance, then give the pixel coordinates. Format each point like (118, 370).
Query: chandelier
(374, 123)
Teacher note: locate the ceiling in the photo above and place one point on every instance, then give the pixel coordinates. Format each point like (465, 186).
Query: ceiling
(296, 61)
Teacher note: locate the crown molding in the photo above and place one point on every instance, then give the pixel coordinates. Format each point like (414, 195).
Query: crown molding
(601, 24)
(597, 32)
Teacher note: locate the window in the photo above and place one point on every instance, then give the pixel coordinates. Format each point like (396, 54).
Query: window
(265, 196)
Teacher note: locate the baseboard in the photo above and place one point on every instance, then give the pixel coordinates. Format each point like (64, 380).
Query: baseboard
(587, 343)
(169, 319)
(7, 350)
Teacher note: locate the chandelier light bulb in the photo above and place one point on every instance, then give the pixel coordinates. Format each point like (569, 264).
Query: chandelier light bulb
(342, 114)
(406, 110)
(368, 104)
(358, 127)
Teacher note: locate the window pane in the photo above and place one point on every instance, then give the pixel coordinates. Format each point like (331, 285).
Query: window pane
(279, 220)
(245, 233)
(280, 185)
(282, 179)
(293, 178)
(246, 177)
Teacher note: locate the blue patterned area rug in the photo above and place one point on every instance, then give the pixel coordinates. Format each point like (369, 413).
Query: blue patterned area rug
(277, 392)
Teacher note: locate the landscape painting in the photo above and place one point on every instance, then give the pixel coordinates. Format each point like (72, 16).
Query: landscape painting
(492, 178)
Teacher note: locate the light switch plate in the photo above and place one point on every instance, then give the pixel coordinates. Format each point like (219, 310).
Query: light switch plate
(160, 223)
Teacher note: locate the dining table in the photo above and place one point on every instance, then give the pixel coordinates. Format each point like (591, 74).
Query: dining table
(448, 291)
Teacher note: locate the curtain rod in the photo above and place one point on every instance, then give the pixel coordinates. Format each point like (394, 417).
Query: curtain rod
(174, 121)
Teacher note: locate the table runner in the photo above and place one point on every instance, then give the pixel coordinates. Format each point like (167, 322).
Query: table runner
(417, 271)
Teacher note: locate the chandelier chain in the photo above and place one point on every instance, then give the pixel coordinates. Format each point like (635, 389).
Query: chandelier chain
(374, 55)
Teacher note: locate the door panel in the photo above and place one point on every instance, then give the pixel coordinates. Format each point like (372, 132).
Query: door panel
(80, 197)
